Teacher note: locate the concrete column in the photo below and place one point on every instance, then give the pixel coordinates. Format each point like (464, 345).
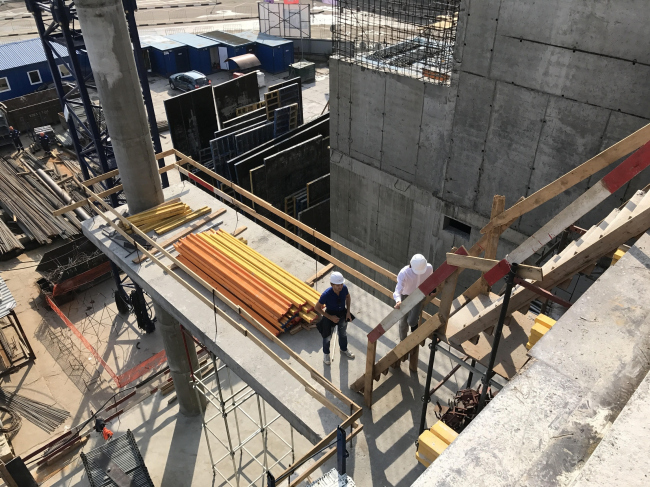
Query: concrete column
(106, 35)
(179, 368)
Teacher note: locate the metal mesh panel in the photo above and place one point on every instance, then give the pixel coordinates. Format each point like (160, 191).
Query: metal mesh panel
(126, 455)
(410, 37)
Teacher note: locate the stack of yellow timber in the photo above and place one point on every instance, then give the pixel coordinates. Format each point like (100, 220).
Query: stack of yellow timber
(303, 298)
(617, 255)
(542, 324)
(432, 443)
(164, 218)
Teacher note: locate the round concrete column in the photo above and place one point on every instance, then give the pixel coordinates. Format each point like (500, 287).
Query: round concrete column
(106, 35)
(177, 359)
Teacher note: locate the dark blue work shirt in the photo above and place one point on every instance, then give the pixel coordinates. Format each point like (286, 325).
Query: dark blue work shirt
(334, 304)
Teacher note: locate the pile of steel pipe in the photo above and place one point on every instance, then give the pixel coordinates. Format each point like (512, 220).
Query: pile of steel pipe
(25, 197)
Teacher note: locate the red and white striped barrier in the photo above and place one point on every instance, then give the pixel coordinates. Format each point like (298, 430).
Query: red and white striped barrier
(591, 198)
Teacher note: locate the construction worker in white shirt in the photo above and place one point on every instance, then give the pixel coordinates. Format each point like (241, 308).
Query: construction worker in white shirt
(408, 280)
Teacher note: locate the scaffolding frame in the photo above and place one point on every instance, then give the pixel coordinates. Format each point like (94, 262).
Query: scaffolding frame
(233, 403)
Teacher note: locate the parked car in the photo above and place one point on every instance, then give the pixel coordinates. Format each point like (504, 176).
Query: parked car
(188, 81)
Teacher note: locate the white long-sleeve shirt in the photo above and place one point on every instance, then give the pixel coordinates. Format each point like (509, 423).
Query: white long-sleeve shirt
(408, 281)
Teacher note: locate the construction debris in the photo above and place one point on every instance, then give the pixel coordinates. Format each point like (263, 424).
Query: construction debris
(463, 408)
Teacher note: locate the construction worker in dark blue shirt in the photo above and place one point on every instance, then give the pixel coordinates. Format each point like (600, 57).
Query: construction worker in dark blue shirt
(336, 300)
(15, 136)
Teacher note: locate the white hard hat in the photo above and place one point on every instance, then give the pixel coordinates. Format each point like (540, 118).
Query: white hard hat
(337, 278)
(419, 264)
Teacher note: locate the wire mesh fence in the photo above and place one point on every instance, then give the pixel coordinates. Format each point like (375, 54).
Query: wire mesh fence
(410, 37)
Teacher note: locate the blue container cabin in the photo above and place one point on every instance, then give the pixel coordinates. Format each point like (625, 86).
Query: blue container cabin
(204, 52)
(24, 68)
(275, 53)
(166, 56)
(230, 45)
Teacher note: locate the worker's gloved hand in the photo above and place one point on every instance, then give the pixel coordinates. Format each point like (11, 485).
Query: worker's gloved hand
(398, 304)
(348, 317)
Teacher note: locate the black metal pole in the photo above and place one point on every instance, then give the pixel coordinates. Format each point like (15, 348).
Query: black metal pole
(471, 375)
(426, 398)
(341, 452)
(510, 282)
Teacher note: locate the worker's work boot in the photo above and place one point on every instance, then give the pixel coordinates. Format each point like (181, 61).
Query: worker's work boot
(326, 360)
(347, 353)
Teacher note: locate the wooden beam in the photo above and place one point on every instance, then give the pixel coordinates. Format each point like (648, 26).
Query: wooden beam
(239, 230)
(287, 233)
(447, 297)
(465, 330)
(484, 265)
(498, 205)
(191, 229)
(309, 231)
(318, 463)
(370, 373)
(409, 343)
(319, 274)
(103, 194)
(592, 166)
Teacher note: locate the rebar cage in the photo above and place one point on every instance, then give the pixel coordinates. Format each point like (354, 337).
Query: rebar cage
(413, 38)
(214, 382)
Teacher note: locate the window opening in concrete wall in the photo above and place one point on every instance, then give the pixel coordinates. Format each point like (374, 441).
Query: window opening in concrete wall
(456, 227)
(410, 37)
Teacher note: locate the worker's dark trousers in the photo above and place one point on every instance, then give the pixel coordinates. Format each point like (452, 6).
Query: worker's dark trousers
(410, 319)
(330, 325)
(18, 144)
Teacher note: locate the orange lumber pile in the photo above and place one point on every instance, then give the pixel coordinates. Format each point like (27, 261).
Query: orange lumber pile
(274, 298)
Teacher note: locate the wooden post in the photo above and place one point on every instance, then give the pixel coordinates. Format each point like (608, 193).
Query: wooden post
(370, 373)
(498, 205)
(413, 359)
(446, 299)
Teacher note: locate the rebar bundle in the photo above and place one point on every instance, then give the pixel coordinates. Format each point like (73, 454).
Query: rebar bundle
(32, 204)
(45, 416)
(8, 240)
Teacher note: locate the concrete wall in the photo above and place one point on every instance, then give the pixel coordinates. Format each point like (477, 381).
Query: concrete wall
(539, 88)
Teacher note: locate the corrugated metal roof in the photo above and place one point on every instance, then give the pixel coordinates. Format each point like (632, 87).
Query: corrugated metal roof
(159, 42)
(24, 53)
(193, 40)
(267, 40)
(245, 61)
(7, 301)
(225, 38)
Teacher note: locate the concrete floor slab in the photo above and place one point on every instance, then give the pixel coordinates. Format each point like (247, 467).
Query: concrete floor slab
(283, 392)
(383, 453)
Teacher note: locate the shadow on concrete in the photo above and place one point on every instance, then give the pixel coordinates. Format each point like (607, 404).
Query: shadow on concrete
(185, 444)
